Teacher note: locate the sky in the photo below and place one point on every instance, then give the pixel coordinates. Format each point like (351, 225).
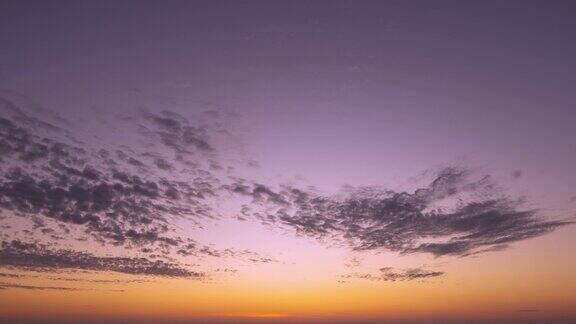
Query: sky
(287, 161)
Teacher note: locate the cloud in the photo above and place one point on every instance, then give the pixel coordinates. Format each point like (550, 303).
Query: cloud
(163, 164)
(101, 281)
(10, 275)
(125, 195)
(115, 210)
(389, 274)
(194, 249)
(178, 134)
(353, 263)
(39, 257)
(133, 195)
(116, 198)
(260, 193)
(477, 218)
(4, 285)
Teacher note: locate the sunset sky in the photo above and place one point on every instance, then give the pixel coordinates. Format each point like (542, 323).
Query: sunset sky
(287, 161)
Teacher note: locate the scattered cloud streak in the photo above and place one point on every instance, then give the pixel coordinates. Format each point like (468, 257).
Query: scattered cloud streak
(11, 275)
(111, 195)
(390, 274)
(39, 257)
(126, 197)
(476, 219)
(4, 285)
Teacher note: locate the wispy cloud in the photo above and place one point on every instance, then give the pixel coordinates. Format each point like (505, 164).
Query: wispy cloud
(40, 257)
(479, 219)
(4, 285)
(390, 274)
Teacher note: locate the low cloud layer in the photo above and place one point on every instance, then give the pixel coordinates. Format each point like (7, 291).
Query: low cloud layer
(5, 285)
(40, 257)
(390, 274)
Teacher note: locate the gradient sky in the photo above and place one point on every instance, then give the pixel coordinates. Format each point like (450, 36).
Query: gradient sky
(287, 161)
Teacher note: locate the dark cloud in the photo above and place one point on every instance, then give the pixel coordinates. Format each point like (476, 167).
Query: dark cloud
(353, 263)
(479, 219)
(40, 257)
(178, 134)
(100, 281)
(258, 192)
(4, 285)
(193, 249)
(18, 140)
(163, 164)
(67, 279)
(261, 192)
(262, 260)
(226, 270)
(389, 274)
(135, 162)
(113, 202)
(11, 275)
(127, 209)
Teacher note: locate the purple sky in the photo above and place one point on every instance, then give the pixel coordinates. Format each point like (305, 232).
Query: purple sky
(326, 84)
(315, 95)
